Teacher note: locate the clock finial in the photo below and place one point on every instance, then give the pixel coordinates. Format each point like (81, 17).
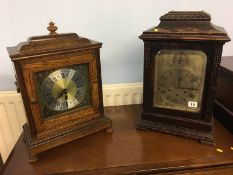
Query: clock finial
(52, 28)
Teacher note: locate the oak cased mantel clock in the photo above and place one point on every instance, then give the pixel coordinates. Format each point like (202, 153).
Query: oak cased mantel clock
(181, 63)
(59, 76)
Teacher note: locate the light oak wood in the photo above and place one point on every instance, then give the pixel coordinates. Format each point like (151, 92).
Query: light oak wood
(51, 52)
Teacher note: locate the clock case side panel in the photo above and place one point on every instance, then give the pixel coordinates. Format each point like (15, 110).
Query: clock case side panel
(100, 90)
(99, 78)
(198, 126)
(22, 86)
(147, 77)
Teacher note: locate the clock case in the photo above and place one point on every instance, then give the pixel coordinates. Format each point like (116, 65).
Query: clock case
(189, 31)
(48, 52)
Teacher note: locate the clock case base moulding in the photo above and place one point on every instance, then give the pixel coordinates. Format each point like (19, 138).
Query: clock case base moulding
(36, 146)
(205, 136)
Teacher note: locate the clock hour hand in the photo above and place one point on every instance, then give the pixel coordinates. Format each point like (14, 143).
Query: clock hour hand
(64, 91)
(60, 95)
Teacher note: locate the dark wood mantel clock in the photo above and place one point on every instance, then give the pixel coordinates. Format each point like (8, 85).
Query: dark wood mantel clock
(59, 76)
(181, 63)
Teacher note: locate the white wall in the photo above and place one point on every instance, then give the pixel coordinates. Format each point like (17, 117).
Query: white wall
(115, 23)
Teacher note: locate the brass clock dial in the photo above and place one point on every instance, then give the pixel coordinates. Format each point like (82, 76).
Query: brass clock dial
(63, 89)
(179, 79)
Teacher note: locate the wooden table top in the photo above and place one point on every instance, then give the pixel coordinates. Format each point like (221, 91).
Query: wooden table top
(126, 150)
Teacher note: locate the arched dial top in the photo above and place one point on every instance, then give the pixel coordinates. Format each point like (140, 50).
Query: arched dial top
(179, 79)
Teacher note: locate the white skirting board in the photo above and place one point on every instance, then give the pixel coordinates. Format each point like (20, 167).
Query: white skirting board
(12, 113)
(122, 94)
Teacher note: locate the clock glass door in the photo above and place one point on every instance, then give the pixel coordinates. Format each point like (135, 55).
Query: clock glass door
(63, 89)
(179, 79)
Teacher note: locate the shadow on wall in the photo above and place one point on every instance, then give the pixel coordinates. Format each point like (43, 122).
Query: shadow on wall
(7, 83)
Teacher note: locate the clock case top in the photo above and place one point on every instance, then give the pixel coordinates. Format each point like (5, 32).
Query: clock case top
(41, 53)
(186, 26)
(188, 31)
(51, 44)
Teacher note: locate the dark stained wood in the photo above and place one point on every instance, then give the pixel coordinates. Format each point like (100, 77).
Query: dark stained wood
(225, 83)
(188, 31)
(1, 164)
(186, 25)
(50, 52)
(129, 151)
(224, 100)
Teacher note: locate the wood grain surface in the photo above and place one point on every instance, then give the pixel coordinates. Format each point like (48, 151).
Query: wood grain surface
(129, 151)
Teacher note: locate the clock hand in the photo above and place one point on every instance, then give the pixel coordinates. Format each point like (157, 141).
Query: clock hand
(62, 93)
(64, 96)
(65, 91)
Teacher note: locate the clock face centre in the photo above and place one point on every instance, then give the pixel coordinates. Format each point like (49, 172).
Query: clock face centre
(63, 89)
(177, 85)
(60, 89)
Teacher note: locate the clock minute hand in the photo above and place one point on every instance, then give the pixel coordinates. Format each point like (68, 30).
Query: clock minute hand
(60, 95)
(65, 91)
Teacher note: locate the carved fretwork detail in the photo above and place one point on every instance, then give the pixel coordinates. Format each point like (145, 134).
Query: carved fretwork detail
(147, 51)
(216, 65)
(186, 26)
(147, 60)
(181, 16)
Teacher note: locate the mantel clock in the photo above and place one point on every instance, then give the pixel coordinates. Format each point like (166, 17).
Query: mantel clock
(59, 77)
(181, 63)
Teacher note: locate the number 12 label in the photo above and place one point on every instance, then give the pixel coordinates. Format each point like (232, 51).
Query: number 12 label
(192, 104)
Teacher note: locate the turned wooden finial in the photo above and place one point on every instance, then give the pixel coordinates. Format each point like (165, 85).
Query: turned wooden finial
(52, 28)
